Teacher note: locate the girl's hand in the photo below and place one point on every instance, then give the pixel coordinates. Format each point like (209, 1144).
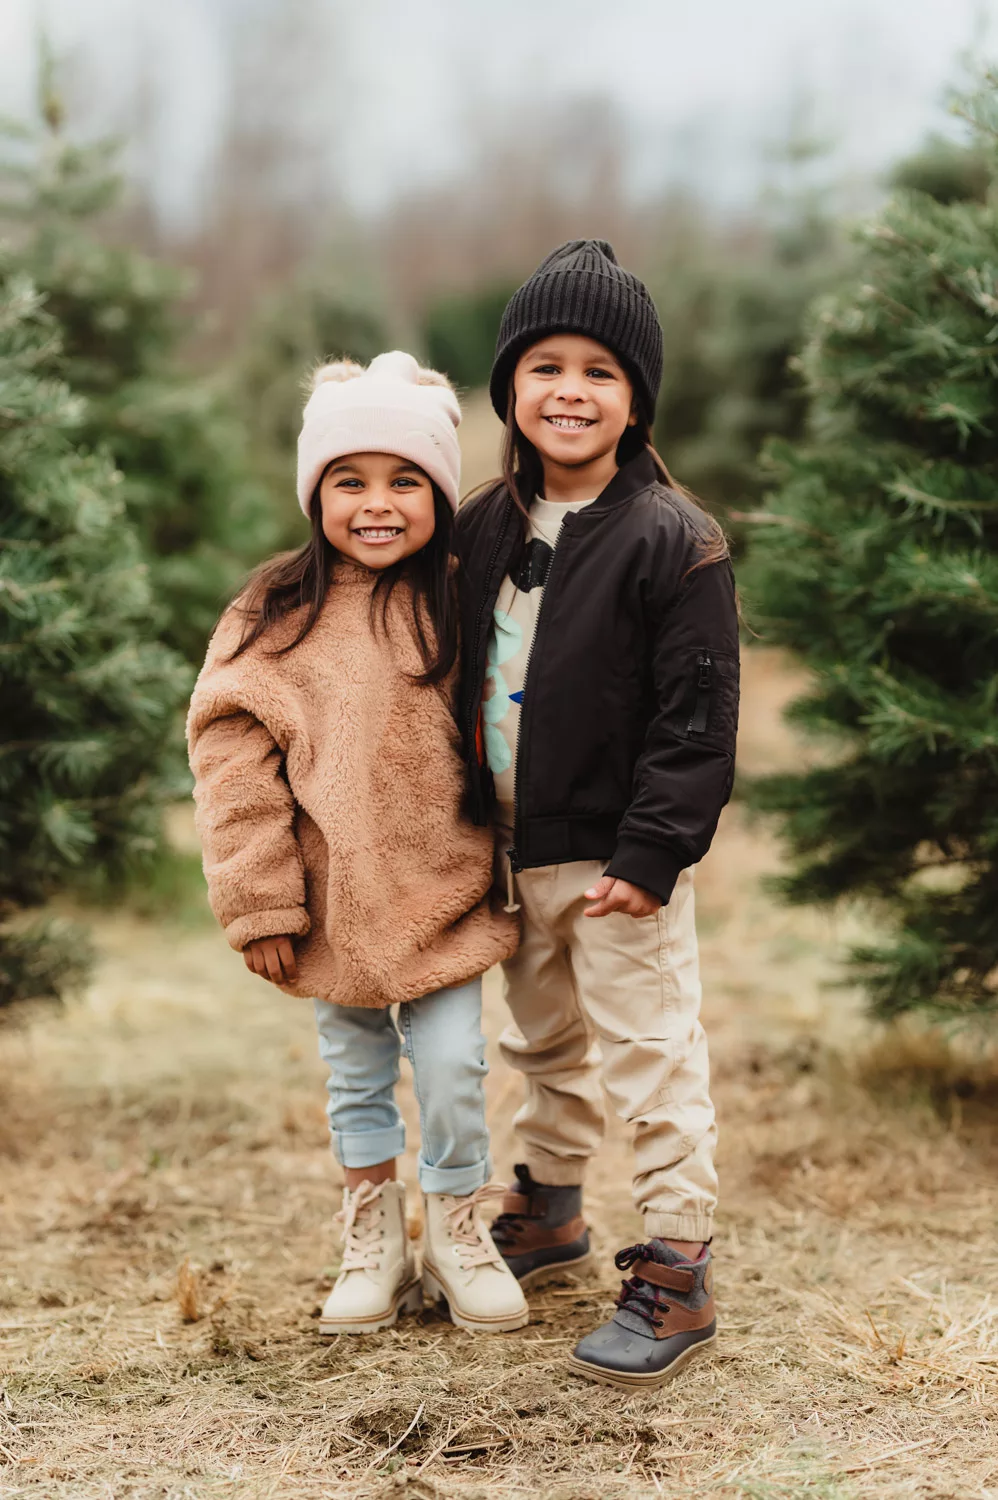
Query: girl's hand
(272, 958)
(619, 895)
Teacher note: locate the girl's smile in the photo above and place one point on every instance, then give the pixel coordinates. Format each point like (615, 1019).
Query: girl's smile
(376, 508)
(375, 535)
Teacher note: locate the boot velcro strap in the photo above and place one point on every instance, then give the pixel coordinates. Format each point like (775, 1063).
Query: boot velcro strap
(672, 1277)
(518, 1203)
(534, 1236)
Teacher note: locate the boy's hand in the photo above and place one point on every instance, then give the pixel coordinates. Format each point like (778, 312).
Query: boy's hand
(272, 958)
(619, 895)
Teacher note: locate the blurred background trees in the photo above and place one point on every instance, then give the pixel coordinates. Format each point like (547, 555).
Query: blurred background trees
(732, 310)
(316, 315)
(200, 511)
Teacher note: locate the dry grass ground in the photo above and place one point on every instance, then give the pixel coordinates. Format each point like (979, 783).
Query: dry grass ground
(167, 1194)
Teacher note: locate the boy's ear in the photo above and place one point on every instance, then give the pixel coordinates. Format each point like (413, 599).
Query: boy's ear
(632, 420)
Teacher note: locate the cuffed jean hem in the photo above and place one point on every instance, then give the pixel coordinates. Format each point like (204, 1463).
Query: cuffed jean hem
(366, 1148)
(694, 1227)
(457, 1180)
(555, 1171)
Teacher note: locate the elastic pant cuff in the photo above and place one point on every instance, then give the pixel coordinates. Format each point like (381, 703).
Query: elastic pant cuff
(366, 1148)
(555, 1171)
(457, 1180)
(693, 1227)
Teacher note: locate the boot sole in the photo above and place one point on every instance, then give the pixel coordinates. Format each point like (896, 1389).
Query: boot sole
(543, 1275)
(435, 1292)
(408, 1299)
(625, 1381)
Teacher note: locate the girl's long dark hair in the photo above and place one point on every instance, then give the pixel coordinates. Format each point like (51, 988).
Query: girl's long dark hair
(302, 579)
(523, 478)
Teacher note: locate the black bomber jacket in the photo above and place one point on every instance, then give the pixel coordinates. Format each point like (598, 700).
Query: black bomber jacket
(627, 725)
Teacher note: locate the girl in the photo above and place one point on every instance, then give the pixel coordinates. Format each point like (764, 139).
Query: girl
(600, 698)
(329, 787)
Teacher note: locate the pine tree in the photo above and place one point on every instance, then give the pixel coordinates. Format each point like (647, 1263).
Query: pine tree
(949, 171)
(201, 516)
(87, 698)
(879, 568)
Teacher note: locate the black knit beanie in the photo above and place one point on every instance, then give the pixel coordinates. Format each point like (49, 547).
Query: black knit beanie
(580, 288)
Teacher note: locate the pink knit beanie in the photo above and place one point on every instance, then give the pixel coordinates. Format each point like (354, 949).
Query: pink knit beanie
(394, 406)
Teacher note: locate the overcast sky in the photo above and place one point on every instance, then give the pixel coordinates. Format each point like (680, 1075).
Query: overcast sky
(702, 84)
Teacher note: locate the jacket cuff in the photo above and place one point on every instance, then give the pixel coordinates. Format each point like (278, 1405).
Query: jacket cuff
(654, 867)
(291, 921)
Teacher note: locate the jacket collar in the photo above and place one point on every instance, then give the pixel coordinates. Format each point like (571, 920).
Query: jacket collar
(636, 475)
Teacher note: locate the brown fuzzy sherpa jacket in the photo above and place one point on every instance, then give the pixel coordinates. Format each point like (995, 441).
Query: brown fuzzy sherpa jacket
(329, 791)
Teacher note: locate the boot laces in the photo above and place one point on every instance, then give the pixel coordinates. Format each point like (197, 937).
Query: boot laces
(638, 1296)
(362, 1228)
(467, 1230)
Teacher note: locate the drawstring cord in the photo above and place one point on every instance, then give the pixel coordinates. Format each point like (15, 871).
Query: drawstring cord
(512, 904)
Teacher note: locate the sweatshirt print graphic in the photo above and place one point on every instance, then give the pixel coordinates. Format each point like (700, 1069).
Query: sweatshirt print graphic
(514, 622)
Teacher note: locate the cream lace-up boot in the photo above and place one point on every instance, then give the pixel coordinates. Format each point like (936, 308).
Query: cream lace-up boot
(378, 1277)
(462, 1266)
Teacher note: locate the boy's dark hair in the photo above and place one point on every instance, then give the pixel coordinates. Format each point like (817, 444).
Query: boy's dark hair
(301, 580)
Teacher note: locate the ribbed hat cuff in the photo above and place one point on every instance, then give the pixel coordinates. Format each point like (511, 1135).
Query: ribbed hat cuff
(377, 429)
(505, 365)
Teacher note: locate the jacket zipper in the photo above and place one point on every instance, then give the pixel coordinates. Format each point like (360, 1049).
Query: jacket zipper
(512, 854)
(475, 707)
(701, 709)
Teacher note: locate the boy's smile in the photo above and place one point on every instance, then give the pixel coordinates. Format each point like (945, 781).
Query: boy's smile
(574, 401)
(570, 424)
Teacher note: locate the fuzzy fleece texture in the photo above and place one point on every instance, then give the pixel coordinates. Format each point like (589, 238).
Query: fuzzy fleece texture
(329, 792)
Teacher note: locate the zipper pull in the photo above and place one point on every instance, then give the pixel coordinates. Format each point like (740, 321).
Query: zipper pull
(698, 722)
(514, 860)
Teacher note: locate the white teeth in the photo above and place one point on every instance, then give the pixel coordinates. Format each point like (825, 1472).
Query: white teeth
(570, 422)
(378, 532)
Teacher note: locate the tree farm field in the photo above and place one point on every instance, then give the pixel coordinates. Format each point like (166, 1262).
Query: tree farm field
(167, 1194)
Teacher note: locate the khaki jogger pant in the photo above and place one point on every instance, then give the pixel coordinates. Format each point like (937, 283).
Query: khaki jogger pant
(623, 991)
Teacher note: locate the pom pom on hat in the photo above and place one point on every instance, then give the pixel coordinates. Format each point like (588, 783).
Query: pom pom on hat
(433, 377)
(394, 406)
(338, 369)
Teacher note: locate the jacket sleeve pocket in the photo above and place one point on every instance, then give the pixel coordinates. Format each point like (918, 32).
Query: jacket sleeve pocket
(709, 715)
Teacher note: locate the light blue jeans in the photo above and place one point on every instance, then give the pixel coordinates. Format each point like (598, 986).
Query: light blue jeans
(442, 1036)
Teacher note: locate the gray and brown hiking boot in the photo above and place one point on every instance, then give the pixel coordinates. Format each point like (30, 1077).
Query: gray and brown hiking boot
(541, 1231)
(665, 1315)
